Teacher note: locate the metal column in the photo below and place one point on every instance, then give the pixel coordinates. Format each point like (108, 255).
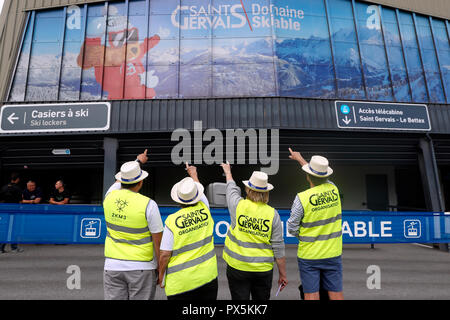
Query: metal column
(110, 146)
(430, 179)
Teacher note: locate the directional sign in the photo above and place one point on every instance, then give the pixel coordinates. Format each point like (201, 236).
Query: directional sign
(383, 116)
(68, 117)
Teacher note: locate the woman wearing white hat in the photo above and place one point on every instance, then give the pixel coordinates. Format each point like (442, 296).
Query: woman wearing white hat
(254, 241)
(134, 234)
(188, 262)
(316, 220)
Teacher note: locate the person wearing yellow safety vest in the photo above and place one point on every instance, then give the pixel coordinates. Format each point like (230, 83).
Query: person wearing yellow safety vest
(316, 220)
(134, 228)
(188, 263)
(254, 241)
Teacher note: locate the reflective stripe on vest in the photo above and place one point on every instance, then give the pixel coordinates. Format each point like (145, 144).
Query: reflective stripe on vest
(321, 227)
(193, 262)
(248, 245)
(128, 236)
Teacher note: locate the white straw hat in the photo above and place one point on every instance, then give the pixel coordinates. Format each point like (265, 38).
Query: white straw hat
(131, 173)
(259, 181)
(187, 191)
(318, 167)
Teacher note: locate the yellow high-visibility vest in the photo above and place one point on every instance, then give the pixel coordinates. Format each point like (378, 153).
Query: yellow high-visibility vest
(320, 234)
(128, 235)
(193, 262)
(248, 245)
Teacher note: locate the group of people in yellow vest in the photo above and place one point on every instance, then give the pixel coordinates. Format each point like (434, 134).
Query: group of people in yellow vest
(180, 256)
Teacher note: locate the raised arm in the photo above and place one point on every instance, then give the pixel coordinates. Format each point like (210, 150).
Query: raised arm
(297, 157)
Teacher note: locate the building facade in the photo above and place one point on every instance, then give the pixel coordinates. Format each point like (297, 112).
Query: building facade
(285, 65)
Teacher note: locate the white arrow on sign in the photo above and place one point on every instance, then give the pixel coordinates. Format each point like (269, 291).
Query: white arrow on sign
(347, 120)
(12, 117)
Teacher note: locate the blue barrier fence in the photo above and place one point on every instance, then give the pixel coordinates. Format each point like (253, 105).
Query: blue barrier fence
(86, 225)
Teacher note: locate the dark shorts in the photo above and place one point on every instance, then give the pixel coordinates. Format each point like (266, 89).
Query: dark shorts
(325, 273)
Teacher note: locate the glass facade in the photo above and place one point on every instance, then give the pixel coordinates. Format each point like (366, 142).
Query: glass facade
(145, 49)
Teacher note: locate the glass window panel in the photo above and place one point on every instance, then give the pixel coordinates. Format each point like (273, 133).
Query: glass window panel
(45, 55)
(166, 52)
(113, 82)
(435, 85)
(195, 26)
(389, 15)
(426, 39)
(162, 26)
(316, 8)
(316, 81)
(195, 81)
(74, 23)
(446, 76)
(48, 29)
(392, 36)
(369, 24)
(440, 34)
(196, 51)
(237, 80)
(376, 72)
(231, 26)
(42, 84)
(311, 27)
(409, 36)
(429, 60)
(72, 53)
(162, 82)
(96, 24)
(96, 10)
(422, 21)
(138, 25)
(340, 9)
(117, 8)
(19, 84)
(115, 56)
(343, 30)
(346, 54)
(137, 7)
(91, 83)
(242, 50)
(70, 84)
(164, 6)
(348, 87)
(402, 91)
(406, 18)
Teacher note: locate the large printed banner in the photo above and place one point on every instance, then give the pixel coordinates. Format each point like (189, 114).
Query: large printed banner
(144, 49)
(86, 225)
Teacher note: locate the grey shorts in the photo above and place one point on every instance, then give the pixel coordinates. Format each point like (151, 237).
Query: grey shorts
(130, 285)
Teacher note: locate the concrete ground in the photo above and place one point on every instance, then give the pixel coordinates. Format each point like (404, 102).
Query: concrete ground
(408, 271)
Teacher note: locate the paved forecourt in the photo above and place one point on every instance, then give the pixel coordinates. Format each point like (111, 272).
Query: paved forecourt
(408, 271)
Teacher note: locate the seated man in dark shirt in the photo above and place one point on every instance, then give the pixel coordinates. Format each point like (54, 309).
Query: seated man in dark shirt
(32, 194)
(60, 195)
(11, 193)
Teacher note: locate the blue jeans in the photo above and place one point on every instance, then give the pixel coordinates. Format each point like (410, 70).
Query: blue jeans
(327, 272)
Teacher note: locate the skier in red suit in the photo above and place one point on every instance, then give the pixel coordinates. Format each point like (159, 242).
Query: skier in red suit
(123, 57)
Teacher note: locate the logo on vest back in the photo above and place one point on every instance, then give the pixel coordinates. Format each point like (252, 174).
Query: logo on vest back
(121, 205)
(324, 200)
(254, 226)
(191, 221)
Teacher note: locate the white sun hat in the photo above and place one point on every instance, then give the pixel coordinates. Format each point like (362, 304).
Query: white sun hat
(259, 181)
(187, 191)
(131, 173)
(318, 167)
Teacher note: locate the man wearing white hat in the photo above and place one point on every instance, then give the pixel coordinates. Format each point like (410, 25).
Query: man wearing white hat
(134, 234)
(188, 262)
(254, 241)
(316, 220)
